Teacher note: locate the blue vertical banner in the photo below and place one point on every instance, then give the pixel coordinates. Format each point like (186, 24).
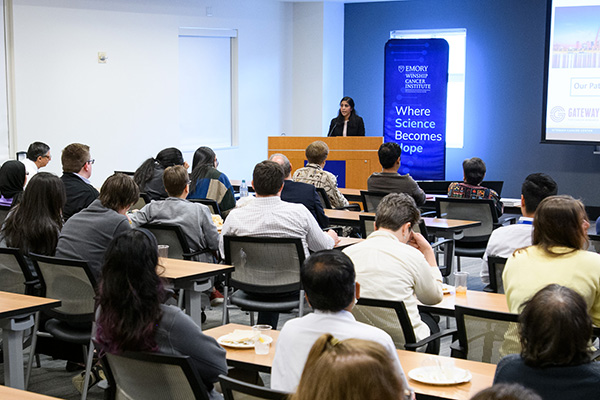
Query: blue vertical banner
(415, 93)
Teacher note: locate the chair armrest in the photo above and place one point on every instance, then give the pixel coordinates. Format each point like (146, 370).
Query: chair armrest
(429, 214)
(189, 256)
(431, 338)
(457, 351)
(351, 207)
(439, 243)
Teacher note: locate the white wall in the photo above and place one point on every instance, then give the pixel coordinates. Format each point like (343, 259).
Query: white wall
(127, 109)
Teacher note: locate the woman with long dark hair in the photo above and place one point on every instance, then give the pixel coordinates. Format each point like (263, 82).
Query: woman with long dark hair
(34, 224)
(12, 180)
(149, 175)
(347, 122)
(207, 182)
(132, 316)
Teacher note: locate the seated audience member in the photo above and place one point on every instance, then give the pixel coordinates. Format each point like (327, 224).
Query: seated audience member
(86, 235)
(314, 174)
(269, 216)
(555, 331)
(298, 192)
(598, 226)
(77, 170)
(389, 180)
(395, 263)
(132, 316)
(208, 182)
(34, 224)
(506, 239)
(194, 219)
(149, 175)
(331, 289)
(347, 370)
(558, 256)
(12, 180)
(38, 156)
(505, 391)
(474, 172)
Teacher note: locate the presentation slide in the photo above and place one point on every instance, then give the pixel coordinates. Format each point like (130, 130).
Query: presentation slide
(573, 72)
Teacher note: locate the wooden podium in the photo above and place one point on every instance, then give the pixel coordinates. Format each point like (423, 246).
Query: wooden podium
(359, 153)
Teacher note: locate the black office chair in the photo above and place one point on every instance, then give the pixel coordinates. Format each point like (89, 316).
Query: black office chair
(210, 203)
(238, 390)
(173, 236)
(475, 239)
(485, 336)
(495, 269)
(371, 199)
(152, 376)
(264, 266)
(327, 204)
(71, 282)
(392, 317)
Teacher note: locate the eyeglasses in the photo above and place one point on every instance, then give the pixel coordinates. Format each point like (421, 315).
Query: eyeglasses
(89, 162)
(48, 156)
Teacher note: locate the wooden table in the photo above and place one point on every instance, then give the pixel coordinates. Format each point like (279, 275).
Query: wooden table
(17, 394)
(17, 315)
(483, 374)
(245, 358)
(187, 275)
(473, 299)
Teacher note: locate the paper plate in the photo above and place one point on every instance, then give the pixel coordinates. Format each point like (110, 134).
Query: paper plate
(243, 345)
(440, 376)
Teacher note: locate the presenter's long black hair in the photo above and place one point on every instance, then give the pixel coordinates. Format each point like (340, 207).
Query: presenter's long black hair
(353, 115)
(164, 159)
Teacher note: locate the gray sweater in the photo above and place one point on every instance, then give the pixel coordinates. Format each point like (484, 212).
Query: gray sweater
(194, 219)
(86, 235)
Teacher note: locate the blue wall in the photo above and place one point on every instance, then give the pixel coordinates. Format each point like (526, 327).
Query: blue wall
(504, 79)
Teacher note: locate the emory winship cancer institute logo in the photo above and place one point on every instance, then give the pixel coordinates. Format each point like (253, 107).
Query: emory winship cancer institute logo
(557, 114)
(401, 68)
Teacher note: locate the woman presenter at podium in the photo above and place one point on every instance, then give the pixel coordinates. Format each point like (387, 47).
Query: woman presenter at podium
(347, 123)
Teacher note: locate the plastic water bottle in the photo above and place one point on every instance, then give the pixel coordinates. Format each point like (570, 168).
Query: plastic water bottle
(243, 189)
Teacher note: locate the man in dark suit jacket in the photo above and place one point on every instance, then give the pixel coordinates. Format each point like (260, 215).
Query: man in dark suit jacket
(77, 170)
(298, 192)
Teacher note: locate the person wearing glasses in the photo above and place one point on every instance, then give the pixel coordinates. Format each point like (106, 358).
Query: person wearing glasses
(77, 170)
(38, 156)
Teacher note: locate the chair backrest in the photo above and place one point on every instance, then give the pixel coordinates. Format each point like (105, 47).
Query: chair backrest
(323, 197)
(238, 390)
(139, 204)
(152, 376)
(4, 210)
(390, 316)
(210, 203)
(371, 200)
(171, 235)
(469, 209)
(264, 264)
(71, 282)
(441, 187)
(495, 269)
(486, 336)
(367, 225)
(594, 243)
(15, 275)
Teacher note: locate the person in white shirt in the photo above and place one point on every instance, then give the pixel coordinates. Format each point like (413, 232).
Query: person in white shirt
(38, 156)
(506, 239)
(395, 263)
(328, 278)
(269, 216)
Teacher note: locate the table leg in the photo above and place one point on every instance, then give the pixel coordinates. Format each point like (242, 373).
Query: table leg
(12, 337)
(193, 299)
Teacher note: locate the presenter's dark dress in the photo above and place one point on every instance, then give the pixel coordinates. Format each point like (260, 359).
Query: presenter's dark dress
(356, 127)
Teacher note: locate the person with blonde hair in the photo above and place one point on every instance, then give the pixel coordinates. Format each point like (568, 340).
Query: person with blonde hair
(558, 255)
(351, 369)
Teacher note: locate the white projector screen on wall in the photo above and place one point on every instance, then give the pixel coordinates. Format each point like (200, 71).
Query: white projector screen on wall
(572, 75)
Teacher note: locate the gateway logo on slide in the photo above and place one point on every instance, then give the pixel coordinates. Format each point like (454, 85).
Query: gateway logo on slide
(557, 114)
(401, 68)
